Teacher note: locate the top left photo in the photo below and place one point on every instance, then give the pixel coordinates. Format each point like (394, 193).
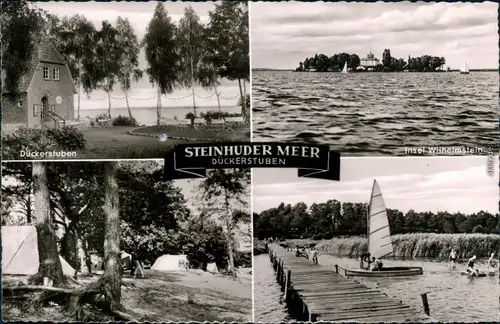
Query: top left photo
(122, 80)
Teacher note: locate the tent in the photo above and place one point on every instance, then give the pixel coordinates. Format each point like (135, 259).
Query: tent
(169, 262)
(20, 252)
(212, 267)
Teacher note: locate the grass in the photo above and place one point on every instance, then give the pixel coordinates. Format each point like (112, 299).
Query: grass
(417, 245)
(160, 297)
(116, 143)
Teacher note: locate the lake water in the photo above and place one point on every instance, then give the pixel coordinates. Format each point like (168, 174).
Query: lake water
(452, 297)
(381, 113)
(142, 101)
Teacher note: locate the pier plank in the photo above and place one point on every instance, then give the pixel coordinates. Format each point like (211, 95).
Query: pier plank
(328, 296)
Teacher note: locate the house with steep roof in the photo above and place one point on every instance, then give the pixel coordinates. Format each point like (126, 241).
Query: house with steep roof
(47, 91)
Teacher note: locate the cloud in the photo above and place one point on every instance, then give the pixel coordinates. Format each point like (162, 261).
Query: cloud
(282, 36)
(467, 189)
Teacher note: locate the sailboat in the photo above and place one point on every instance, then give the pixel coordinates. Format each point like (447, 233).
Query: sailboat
(465, 69)
(344, 70)
(379, 240)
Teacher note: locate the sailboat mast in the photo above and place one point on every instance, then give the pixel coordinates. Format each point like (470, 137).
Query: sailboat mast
(368, 226)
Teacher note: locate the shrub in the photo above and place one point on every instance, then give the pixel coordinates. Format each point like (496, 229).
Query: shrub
(68, 137)
(124, 121)
(32, 139)
(242, 259)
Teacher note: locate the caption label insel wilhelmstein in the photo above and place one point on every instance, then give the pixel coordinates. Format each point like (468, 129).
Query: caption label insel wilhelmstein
(192, 160)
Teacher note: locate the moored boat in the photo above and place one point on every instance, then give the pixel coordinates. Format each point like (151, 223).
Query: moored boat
(379, 240)
(385, 272)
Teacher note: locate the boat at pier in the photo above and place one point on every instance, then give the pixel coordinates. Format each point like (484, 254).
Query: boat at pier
(379, 241)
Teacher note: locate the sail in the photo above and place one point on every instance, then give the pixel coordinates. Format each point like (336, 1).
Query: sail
(379, 233)
(345, 68)
(465, 69)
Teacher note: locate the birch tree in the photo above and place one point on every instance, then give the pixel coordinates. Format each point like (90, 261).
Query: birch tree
(228, 43)
(190, 42)
(75, 38)
(107, 60)
(161, 54)
(225, 192)
(129, 64)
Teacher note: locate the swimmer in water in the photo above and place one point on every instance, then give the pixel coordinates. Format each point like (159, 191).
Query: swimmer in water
(453, 258)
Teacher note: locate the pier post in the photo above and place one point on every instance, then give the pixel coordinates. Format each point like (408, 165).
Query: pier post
(313, 317)
(305, 311)
(425, 304)
(336, 268)
(282, 273)
(287, 285)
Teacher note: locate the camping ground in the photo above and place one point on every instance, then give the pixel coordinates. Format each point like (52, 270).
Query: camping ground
(71, 232)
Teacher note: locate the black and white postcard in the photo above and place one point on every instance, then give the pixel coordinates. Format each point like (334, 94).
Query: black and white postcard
(111, 80)
(114, 241)
(384, 78)
(395, 240)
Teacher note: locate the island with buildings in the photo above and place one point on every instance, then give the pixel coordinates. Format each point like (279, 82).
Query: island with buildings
(346, 62)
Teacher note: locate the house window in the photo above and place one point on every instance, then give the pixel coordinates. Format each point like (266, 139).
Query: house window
(46, 73)
(20, 103)
(55, 73)
(36, 110)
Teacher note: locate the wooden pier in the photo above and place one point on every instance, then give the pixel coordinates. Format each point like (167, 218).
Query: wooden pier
(315, 293)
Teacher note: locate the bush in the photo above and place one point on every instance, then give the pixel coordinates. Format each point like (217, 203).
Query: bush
(124, 121)
(68, 137)
(242, 259)
(42, 140)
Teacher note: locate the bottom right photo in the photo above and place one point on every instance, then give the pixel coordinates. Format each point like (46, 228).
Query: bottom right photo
(395, 240)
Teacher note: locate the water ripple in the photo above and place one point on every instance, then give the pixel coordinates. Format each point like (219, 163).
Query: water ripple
(381, 113)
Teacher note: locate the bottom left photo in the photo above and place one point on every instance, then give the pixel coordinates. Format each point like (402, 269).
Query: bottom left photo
(114, 241)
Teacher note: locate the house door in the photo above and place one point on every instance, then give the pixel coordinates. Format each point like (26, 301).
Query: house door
(45, 109)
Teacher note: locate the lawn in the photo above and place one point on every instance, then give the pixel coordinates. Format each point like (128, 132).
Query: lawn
(160, 297)
(117, 143)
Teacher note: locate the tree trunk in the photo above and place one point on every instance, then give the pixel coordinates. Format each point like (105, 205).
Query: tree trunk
(217, 94)
(28, 209)
(79, 98)
(229, 240)
(109, 104)
(243, 101)
(112, 269)
(192, 87)
(79, 85)
(48, 256)
(158, 107)
(86, 255)
(128, 106)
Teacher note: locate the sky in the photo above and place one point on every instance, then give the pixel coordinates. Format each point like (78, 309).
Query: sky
(139, 14)
(284, 34)
(423, 184)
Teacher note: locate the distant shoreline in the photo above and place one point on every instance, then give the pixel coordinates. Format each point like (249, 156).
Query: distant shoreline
(293, 70)
(163, 107)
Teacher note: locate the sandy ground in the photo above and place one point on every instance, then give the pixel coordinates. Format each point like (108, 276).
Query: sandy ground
(161, 296)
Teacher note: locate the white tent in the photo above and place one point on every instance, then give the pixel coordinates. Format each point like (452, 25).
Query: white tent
(169, 262)
(20, 252)
(212, 267)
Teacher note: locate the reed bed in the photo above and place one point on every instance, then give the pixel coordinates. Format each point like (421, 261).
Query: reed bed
(419, 245)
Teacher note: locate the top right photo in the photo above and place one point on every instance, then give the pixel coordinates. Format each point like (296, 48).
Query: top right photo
(377, 78)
